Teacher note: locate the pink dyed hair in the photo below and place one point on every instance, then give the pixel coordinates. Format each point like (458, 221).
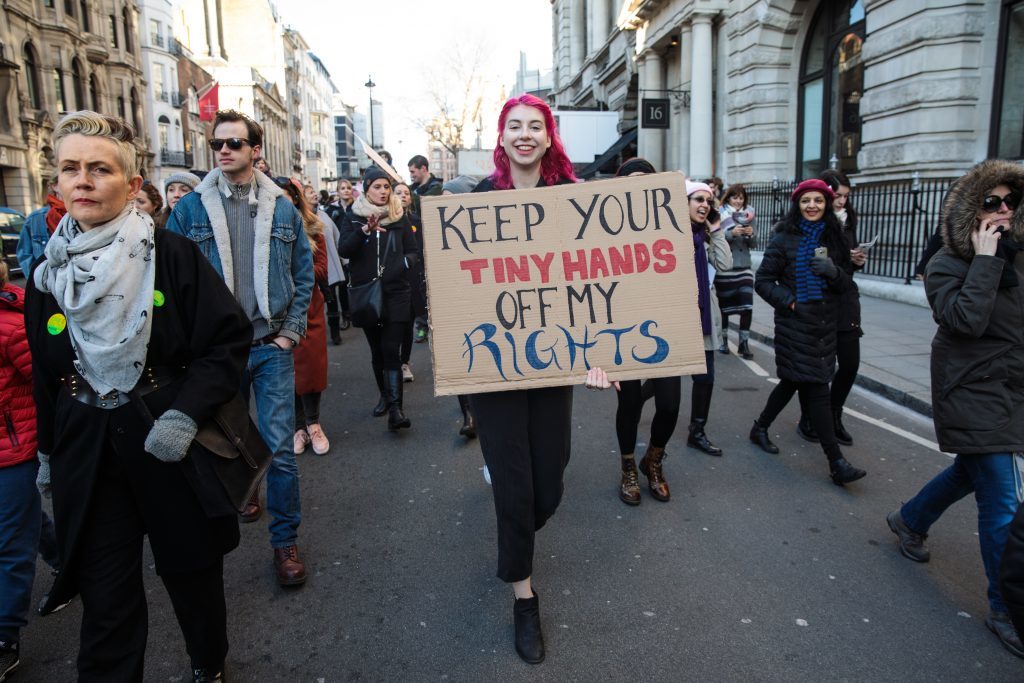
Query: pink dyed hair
(555, 164)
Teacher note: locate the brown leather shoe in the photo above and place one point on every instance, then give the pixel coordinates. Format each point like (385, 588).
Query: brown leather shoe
(650, 465)
(289, 568)
(252, 510)
(629, 489)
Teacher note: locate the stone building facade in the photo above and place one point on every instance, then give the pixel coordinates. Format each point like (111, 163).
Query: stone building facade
(763, 89)
(58, 56)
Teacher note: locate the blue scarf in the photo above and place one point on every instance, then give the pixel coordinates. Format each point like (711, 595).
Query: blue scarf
(809, 287)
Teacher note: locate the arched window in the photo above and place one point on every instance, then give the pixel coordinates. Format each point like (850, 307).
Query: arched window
(163, 126)
(831, 87)
(1007, 129)
(126, 24)
(78, 77)
(94, 94)
(35, 94)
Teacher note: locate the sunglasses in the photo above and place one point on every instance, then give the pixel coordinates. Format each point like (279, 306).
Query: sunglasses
(701, 199)
(993, 202)
(234, 144)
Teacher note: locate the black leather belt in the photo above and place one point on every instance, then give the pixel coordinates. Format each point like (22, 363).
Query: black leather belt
(263, 341)
(153, 378)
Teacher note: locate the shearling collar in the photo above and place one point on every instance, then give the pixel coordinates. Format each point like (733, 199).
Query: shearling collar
(960, 208)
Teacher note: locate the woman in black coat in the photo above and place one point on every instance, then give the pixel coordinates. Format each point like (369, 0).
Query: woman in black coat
(802, 274)
(378, 240)
(113, 308)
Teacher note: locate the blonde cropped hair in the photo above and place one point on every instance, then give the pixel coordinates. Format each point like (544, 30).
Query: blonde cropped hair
(120, 132)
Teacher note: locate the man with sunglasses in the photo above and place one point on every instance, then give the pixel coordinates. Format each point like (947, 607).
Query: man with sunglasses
(975, 286)
(253, 236)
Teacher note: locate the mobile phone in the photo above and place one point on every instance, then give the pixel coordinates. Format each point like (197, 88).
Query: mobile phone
(821, 252)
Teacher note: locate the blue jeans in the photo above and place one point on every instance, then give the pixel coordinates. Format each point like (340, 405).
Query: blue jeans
(19, 541)
(996, 483)
(271, 375)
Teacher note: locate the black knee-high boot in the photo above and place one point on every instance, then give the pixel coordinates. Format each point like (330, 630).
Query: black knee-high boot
(382, 403)
(468, 429)
(700, 406)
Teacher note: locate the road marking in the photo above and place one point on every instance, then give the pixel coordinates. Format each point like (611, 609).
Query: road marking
(909, 436)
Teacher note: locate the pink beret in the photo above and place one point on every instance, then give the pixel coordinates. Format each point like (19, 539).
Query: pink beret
(813, 185)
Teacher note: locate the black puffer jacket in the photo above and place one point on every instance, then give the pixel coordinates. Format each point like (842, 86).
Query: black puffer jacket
(805, 337)
(398, 253)
(978, 349)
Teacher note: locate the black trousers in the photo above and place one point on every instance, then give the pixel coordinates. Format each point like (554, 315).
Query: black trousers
(815, 400)
(108, 572)
(525, 437)
(307, 410)
(332, 301)
(848, 363)
(407, 342)
(746, 317)
(667, 396)
(386, 343)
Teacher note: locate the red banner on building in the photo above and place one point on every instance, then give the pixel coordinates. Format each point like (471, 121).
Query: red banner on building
(209, 103)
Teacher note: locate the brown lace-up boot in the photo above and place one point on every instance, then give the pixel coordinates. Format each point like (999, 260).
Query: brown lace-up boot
(629, 489)
(650, 465)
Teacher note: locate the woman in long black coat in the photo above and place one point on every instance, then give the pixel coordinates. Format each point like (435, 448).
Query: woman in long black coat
(802, 274)
(377, 238)
(114, 308)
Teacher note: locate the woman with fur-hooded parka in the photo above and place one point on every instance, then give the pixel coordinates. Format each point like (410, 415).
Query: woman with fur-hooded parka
(975, 291)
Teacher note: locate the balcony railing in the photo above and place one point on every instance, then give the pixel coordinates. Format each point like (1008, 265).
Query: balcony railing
(172, 158)
(177, 100)
(296, 123)
(903, 215)
(176, 48)
(162, 95)
(313, 154)
(156, 39)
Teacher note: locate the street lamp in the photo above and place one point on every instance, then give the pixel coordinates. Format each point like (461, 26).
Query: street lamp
(371, 85)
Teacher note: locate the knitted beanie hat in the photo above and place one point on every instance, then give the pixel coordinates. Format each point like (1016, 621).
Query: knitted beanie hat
(375, 172)
(185, 178)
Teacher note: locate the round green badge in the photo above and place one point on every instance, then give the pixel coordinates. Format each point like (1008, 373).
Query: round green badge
(56, 324)
(158, 298)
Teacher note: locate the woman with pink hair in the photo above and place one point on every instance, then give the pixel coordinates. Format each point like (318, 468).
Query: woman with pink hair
(525, 434)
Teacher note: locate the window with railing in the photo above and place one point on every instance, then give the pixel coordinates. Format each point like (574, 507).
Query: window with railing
(1007, 129)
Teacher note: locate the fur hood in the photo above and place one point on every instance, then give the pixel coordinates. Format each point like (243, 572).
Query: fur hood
(964, 199)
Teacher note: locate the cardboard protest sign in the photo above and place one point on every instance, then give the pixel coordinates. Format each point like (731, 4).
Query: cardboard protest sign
(531, 288)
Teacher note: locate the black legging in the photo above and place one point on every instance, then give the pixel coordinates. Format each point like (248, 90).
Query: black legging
(814, 398)
(386, 343)
(307, 410)
(848, 361)
(667, 396)
(745, 319)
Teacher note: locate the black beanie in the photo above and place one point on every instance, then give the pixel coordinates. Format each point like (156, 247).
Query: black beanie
(375, 172)
(635, 165)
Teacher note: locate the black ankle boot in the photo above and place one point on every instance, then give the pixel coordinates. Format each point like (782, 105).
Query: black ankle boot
(759, 436)
(529, 637)
(842, 436)
(468, 429)
(699, 440)
(382, 402)
(396, 417)
(806, 429)
(840, 469)
(744, 350)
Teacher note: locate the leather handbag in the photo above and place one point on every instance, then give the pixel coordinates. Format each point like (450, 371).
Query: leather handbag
(231, 450)
(366, 301)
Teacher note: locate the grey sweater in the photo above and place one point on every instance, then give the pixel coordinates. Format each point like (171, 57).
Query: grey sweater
(241, 218)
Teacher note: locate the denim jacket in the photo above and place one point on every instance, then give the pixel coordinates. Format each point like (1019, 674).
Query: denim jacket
(33, 239)
(283, 261)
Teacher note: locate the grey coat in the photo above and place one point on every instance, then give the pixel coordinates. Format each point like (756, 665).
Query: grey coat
(977, 362)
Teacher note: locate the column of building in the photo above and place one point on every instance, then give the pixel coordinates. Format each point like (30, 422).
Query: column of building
(701, 104)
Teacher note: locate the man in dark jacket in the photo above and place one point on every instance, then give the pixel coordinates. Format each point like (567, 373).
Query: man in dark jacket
(977, 298)
(424, 183)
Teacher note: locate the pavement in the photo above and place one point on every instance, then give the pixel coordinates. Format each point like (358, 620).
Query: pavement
(758, 569)
(895, 351)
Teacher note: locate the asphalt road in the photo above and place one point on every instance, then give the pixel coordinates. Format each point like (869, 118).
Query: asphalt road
(759, 568)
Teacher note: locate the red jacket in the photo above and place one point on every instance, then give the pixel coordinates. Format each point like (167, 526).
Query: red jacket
(18, 426)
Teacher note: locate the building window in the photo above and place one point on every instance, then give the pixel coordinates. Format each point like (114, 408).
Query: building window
(94, 94)
(49, 4)
(831, 87)
(163, 126)
(121, 108)
(127, 24)
(78, 81)
(135, 111)
(69, 8)
(83, 11)
(58, 82)
(113, 31)
(35, 95)
(1007, 136)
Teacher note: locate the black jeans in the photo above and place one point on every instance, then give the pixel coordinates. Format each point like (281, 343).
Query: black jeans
(525, 437)
(307, 410)
(814, 398)
(667, 396)
(848, 362)
(386, 343)
(332, 297)
(108, 572)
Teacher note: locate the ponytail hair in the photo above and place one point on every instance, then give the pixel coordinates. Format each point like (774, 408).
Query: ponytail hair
(554, 166)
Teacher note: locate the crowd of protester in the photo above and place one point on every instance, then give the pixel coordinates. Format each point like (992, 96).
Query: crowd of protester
(148, 308)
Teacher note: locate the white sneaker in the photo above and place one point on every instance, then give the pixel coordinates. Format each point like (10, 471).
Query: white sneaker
(319, 440)
(300, 442)
(487, 475)
(407, 373)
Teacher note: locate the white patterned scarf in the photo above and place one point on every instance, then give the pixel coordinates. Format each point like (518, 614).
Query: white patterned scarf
(103, 280)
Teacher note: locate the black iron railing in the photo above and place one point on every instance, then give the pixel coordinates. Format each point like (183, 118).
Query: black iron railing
(902, 214)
